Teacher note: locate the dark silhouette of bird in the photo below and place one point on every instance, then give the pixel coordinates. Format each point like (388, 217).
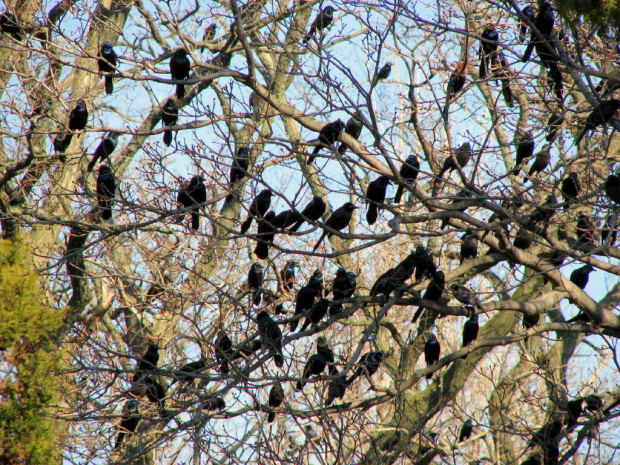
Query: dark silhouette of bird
(265, 233)
(106, 191)
(554, 125)
(323, 19)
(316, 313)
(191, 195)
(375, 195)
(314, 366)
(489, 41)
(323, 348)
(209, 35)
(129, 421)
(329, 134)
(338, 220)
(151, 389)
(466, 430)
(571, 188)
(288, 275)
(78, 117)
(409, 171)
(503, 73)
(529, 321)
(456, 82)
(271, 337)
(188, 372)
(148, 362)
(394, 278)
(609, 232)
(223, 350)
(470, 331)
(259, 206)
(169, 117)
(530, 13)
(104, 149)
(541, 162)
(544, 212)
(256, 104)
(593, 403)
(336, 388)
(107, 64)
(213, 403)
(525, 149)
(276, 397)
(382, 74)
(305, 299)
(601, 115)
(465, 295)
(239, 167)
(10, 25)
(353, 128)
(469, 246)
(612, 188)
(391, 442)
(368, 365)
(433, 292)
(543, 27)
(586, 229)
(312, 212)
(425, 265)
(286, 219)
(460, 158)
(575, 410)
(255, 281)
(342, 288)
(432, 351)
(179, 69)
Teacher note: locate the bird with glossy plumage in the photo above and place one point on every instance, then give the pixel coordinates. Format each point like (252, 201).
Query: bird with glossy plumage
(322, 20)
(315, 365)
(432, 351)
(543, 27)
(104, 149)
(409, 171)
(342, 288)
(169, 117)
(223, 350)
(239, 167)
(78, 118)
(106, 191)
(465, 295)
(191, 196)
(129, 421)
(271, 337)
(323, 348)
(425, 265)
(368, 365)
(316, 313)
(336, 388)
(329, 134)
(107, 64)
(433, 292)
(570, 188)
(469, 246)
(580, 276)
(179, 69)
(305, 299)
(338, 220)
(265, 233)
(470, 331)
(353, 128)
(311, 212)
(258, 208)
(529, 12)
(489, 41)
(256, 277)
(287, 275)
(286, 219)
(375, 195)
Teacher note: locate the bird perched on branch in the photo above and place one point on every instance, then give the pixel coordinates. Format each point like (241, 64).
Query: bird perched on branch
(287, 274)
(470, 330)
(106, 191)
(525, 149)
(265, 233)
(107, 64)
(375, 194)
(601, 115)
(433, 292)
(311, 212)
(554, 125)
(612, 188)
(465, 295)
(179, 69)
(314, 366)
(306, 296)
(191, 196)
(432, 351)
(258, 208)
(353, 128)
(460, 158)
(409, 171)
(188, 372)
(271, 337)
(323, 19)
(329, 134)
(382, 74)
(338, 220)
(129, 421)
(571, 188)
(541, 162)
(9, 25)
(169, 117)
(343, 287)
(256, 278)
(276, 397)
(316, 313)
(336, 388)
(469, 245)
(256, 104)
(104, 149)
(223, 351)
(543, 27)
(239, 167)
(148, 362)
(78, 117)
(503, 73)
(489, 41)
(530, 13)
(466, 430)
(368, 365)
(456, 82)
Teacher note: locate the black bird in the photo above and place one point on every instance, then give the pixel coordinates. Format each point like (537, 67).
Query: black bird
(328, 135)
(77, 122)
(148, 362)
(305, 299)
(383, 73)
(323, 19)
(571, 188)
(342, 288)
(544, 212)
(169, 117)
(323, 348)
(191, 196)
(456, 82)
(107, 64)
(104, 149)
(409, 171)
(394, 278)
(525, 149)
(391, 442)
(188, 372)
(575, 410)
(465, 295)
(610, 230)
(433, 292)
(265, 233)
(258, 208)
(543, 26)
(425, 266)
(336, 388)
(529, 321)
(461, 157)
(593, 403)
(129, 422)
(316, 314)
(555, 123)
(375, 194)
(106, 191)
(503, 73)
(286, 219)
(542, 160)
(314, 366)
(470, 330)
(239, 167)
(601, 115)
(338, 220)
(530, 13)
(9, 25)
(369, 364)
(466, 430)
(255, 281)
(469, 246)
(586, 230)
(612, 188)
(179, 69)
(432, 350)
(489, 41)
(353, 128)
(223, 350)
(312, 212)
(276, 397)
(213, 403)
(271, 337)
(288, 275)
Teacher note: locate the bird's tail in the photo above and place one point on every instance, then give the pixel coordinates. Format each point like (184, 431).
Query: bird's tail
(91, 164)
(271, 417)
(528, 52)
(507, 92)
(109, 85)
(417, 314)
(257, 297)
(279, 359)
(372, 214)
(262, 250)
(297, 225)
(342, 149)
(195, 221)
(299, 386)
(319, 241)
(246, 224)
(168, 138)
(180, 90)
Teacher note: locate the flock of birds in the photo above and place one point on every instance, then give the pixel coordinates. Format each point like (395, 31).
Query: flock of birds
(311, 302)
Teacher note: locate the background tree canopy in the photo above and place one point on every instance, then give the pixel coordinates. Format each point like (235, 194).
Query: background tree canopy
(235, 211)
